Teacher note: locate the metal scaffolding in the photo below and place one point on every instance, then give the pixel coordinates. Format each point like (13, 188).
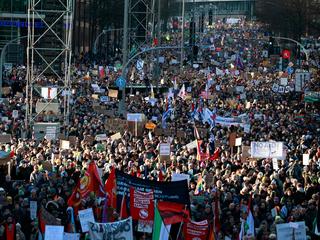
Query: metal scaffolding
(49, 57)
(141, 22)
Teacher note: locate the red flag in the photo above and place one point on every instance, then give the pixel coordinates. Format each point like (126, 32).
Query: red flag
(91, 182)
(286, 54)
(75, 199)
(123, 210)
(141, 205)
(172, 213)
(111, 189)
(160, 177)
(215, 155)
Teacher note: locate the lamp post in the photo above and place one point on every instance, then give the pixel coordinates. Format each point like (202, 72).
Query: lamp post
(2, 57)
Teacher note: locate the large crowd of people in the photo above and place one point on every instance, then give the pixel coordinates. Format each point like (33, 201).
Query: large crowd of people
(233, 90)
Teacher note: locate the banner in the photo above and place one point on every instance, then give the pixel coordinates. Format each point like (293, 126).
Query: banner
(166, 191)
(85, 217)
(266, 150)
(292, 230)
(116, 230)
(196, 230)
(141, 205)
(227, 121)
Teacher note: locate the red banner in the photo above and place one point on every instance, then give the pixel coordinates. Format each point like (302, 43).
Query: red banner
(196, 230)
(141, 205)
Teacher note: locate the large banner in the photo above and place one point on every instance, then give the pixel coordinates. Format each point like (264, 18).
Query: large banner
(267, 149)
(141, 205)
(196, 230)
(166, 191)
(116, 230)
(228, 121)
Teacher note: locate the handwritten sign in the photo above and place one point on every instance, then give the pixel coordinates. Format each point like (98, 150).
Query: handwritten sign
(85, 217)
(33, 209)
(54, 232)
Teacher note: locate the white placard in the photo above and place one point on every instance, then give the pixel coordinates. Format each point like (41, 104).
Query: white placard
(238, 142)
(54, 232)
(266, 149)
(275, 165)
(161, 59)
(284, 81)
(86, 216)
(192, 145)
(101, 137)
(71, 236)
(15, 114)
(286, 231)
(116, 136)
(179, 177)
(165, 149)
(33, 209)
(305, 159)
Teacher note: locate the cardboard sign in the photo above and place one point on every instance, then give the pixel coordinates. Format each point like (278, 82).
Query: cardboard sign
(86, 216)
(5, 138)
(64, 144)
(113, 93)
(54, 232)
(192, 145)
(116, 136)
(232, 139)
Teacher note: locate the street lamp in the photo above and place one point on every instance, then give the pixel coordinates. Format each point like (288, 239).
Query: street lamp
(2, 57)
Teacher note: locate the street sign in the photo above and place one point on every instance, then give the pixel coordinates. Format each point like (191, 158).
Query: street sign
(121, 83)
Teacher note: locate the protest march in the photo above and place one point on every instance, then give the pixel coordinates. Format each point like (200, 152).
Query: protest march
(225, 148)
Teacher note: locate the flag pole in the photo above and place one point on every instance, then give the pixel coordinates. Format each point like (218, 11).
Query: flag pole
(185, 207)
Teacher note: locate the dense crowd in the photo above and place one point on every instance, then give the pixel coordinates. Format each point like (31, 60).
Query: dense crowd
(278, 193)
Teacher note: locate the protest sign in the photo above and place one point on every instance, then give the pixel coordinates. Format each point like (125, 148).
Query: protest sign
(116, 136)
(145, 226)
(284, 81)
(101, 137)
(54, 232)
(232, 139)
(238, 142)
(164, 151)
(5, 138)
(266, 149)
(33, 209)
(113, 93)
(64, 144)
(150, 125)
(166, 191)
(15, 114)
(86, 216)
(305, 159)
(141, 205)
(196, 230)
(71, 236)
(292, 230)
(132, 117)
(116, 230)
(275, 165)
(192, 145)
(51, 132)
(180, 177)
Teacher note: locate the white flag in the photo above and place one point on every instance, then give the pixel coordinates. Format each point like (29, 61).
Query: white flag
(182, 94)
(49, 93)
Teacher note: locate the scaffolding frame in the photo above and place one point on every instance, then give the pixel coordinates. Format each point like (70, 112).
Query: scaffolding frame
(142, 17)
(61, 12)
